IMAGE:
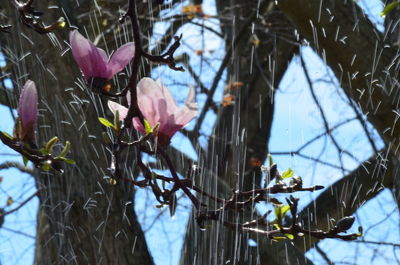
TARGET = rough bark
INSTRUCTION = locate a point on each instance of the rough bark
(241, 133)
(82, 219)
(391, 24)
(364, 60)
(346, 195)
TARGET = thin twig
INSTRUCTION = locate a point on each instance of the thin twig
(19, 166)
(323, 116)
(20, 205)
(219, 73)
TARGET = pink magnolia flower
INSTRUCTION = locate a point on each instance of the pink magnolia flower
(94, 62)
(27, 112)
(159, 107)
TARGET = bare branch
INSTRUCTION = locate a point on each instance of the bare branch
(20, 205)
(19, 166)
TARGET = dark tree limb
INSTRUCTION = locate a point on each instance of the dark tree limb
(346, 195)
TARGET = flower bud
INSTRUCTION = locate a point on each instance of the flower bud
(27, 113)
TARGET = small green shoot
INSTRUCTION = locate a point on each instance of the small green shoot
(147, 127)
(117, 122)
(64, 152)
(107, 123)
(280, 212)
(7, 135)
(287, 173)
(389, 8)
(49, 145)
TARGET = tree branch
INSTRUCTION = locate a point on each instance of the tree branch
(19, 166)
(346, 195)
(356, 52)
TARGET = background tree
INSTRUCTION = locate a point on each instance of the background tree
(82, 219)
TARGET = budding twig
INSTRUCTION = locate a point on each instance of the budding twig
(30, 17)
(238, 200)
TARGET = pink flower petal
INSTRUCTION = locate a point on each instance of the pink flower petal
(157, 90)
(148, 107)
(158, 106)
(187, 113)
(114, 106)
(171, 127)
(121, 58)
(191, 96)
(128, 98)
(89, 58)
(162, 114)
(138, 125)
(171, 103)
(147, 86)
(27, 108)
(103, 55)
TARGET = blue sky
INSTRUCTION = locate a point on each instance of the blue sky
(16, 248)
(296, 121)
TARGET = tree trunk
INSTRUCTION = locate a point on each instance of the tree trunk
(346, 195)
(239, 141)
(363, 60)
(82, 218)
